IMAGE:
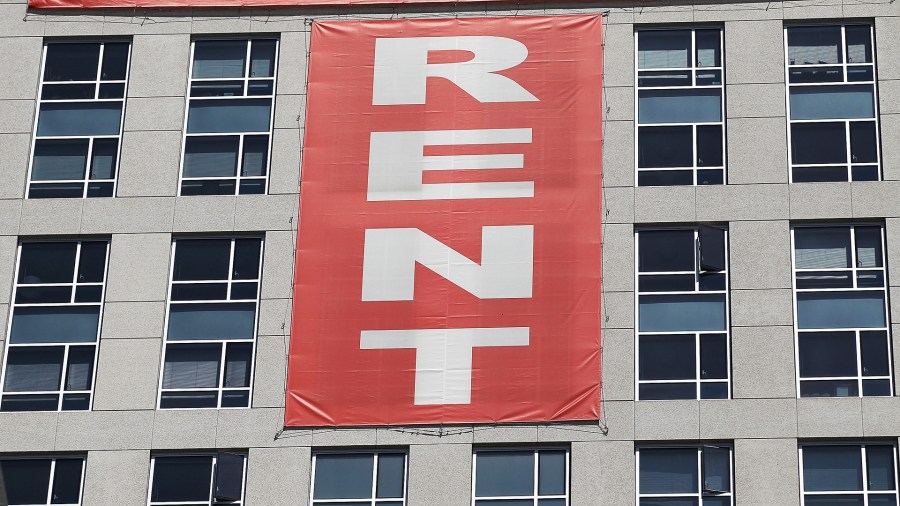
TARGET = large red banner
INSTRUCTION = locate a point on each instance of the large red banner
(448, 258)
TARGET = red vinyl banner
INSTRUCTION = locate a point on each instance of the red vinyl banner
(448, 257)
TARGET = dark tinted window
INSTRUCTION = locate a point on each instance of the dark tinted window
(181, 479)
(666, 250)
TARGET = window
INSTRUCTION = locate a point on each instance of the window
(841, 316)
(79, 121)
(680, 125)
(521, 477)
(34, 481)
(832, 103)
(682, 305)
(197, 479)
(685, 476)
(359, 479)
(54, 326)
(213, 299)
(228, 128)
(848, 474)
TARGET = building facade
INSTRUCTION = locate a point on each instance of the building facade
(757, 368)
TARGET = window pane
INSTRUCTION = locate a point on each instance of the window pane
(679, 106)
(390, 475)
(201, 259)
(210, 156)
(709, 146)
(837, 310)
(716, 469)
(195, 399)
(832, 468)
(93, 262)
(211, 187)
(665, 146)
(256, 155)
(504, 473)
(26, 480)
(668, 471)
(192, 366)
(217, 89)
(877, 388)
(33, 369)
(863, 142)
(80, 371)
(115, 61)
(666, 251)
(832, 102)
(219, 58)
(868, 247)
(103, 158)
(237, 364)
(211, 321)
(833, 500)
(199, 291)
(819, 143)
(814, 45)
(505, 502)
(713, 356)
(181, 479)
(825, 354)
(214, 116)
(669, 313)
(262, 58)
(343, 476)
(713, 390)
(667, 357)
(667, 391)
(859, 44)
(819, 174)
(72, 61)
(831, 388)
(67, 481)
(664, 49)
(55, 324)
(59, 159)
(883, 500)
(552, 473)
(874, 353)
(246, 258)
(708, 54)
(665, 177)
(668, 501)
(822, 248)
(880, 467)
(79, 118)
(47, 262)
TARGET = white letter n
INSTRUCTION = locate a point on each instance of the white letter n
(505, 271)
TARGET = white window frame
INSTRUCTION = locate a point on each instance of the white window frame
(212, 480)
(865, 469)
(372, 500)
(34, 138)
(697, 334)
(693, 69)
(221, 389)
(247, 80)
(535, 496)
(844, 65)
(699, 494)
(53, 460)
(853, 272)
(68, 345)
